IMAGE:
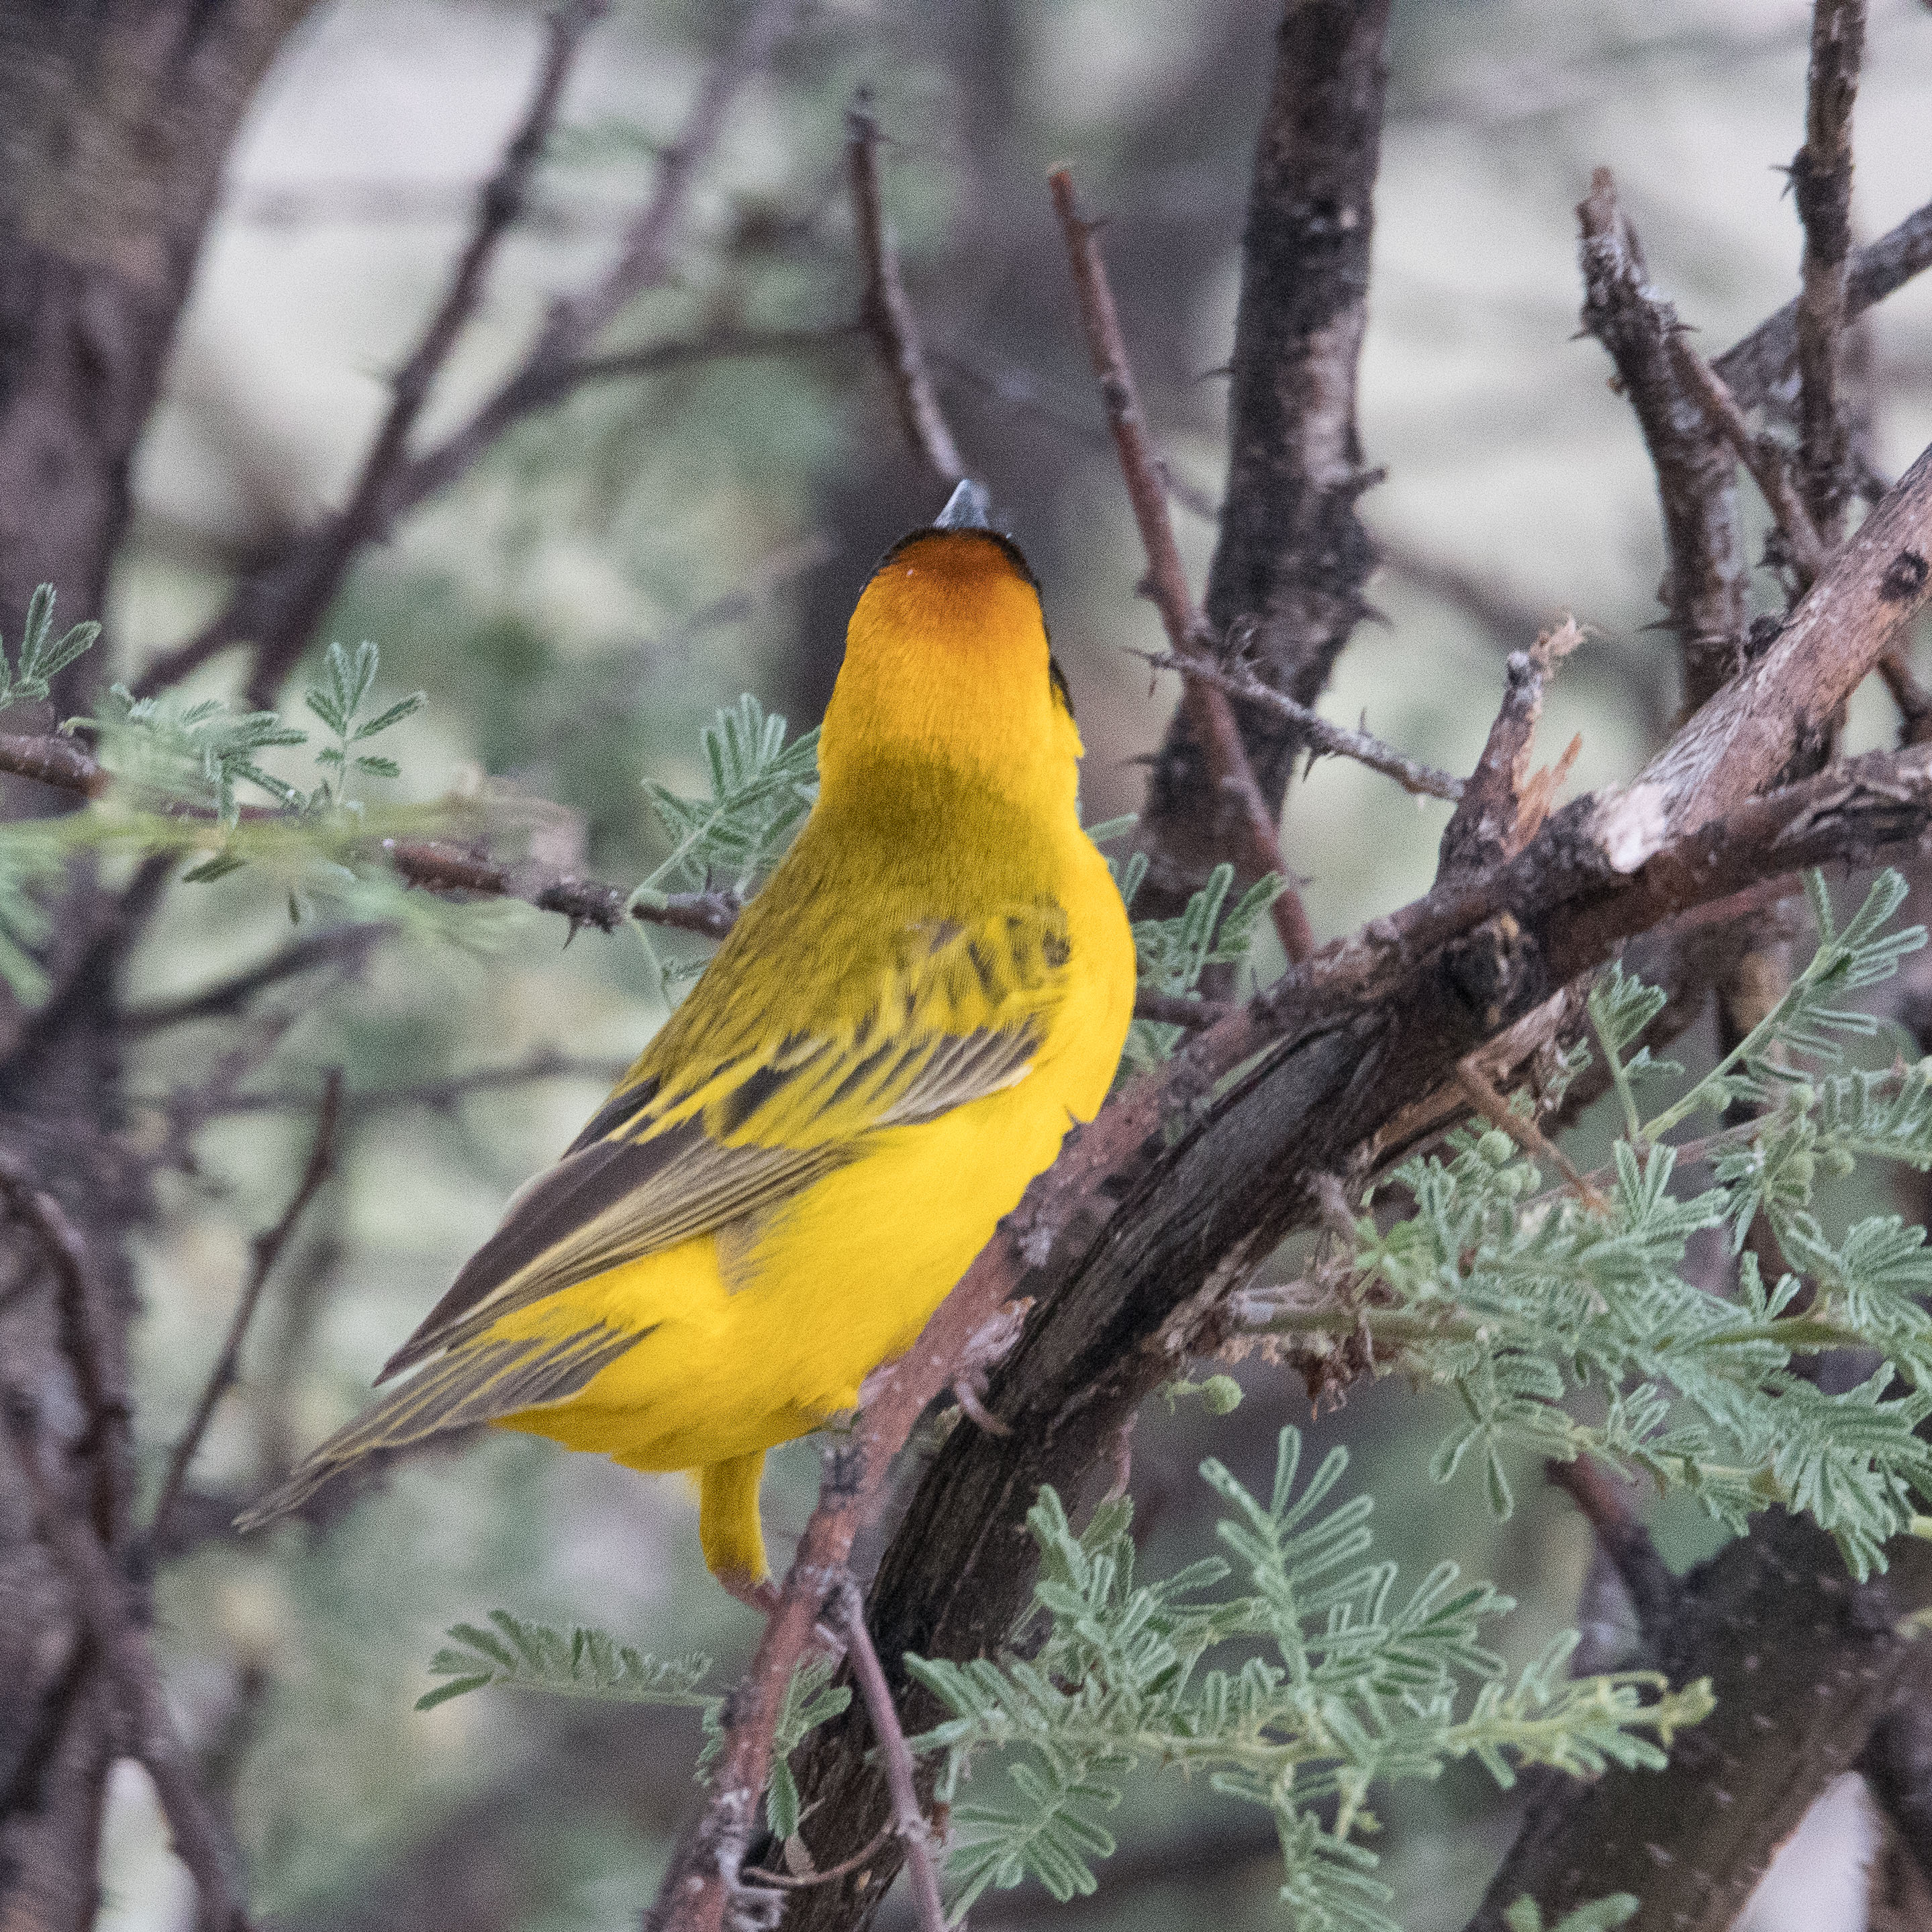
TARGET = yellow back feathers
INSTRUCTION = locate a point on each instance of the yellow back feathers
(936, 979)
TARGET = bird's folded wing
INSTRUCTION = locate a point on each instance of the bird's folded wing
(731, 1113)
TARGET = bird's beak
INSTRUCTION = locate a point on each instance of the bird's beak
(969, 508)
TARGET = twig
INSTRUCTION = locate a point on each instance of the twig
(1526, 1134)
(1503, 805)
(721, 345)
(1760, 456)
(799, 1882)
(1758, 365)
(54, 760)
(265, 1251)
(1180, 1010)
(1821, 183)
(885, 312)
(1234, 778)
(277, 606)
(100, 1600)
(346, 946)
(103, 1396)
(441, 867)
(1419, 780)
(908, 1821)
(437, 865)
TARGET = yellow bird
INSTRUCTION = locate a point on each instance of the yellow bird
(934, 984)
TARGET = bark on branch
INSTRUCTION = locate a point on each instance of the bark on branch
(1293, 558)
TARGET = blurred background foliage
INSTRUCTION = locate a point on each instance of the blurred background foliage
(626, 563)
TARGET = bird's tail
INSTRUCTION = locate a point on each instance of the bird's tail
(482, 1382)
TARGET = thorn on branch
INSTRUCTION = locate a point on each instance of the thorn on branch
(1419, 780)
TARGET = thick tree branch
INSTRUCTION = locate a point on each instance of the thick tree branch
(1878, 582)
(1287, 580)
(1821, 183)
(1242, 812)
(1804, 1663)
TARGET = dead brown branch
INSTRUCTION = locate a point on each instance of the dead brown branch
(1696, 475)
(1503, 805)
(1821, 183)
(1878, 582)
(909, 1823)
(886, 311)
(1338, 741)
(1761, 456)
(1758, 367)
(264, 1251)
(1258, 851)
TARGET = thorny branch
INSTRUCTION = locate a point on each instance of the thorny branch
(1696, 472)
(1293, 558)
(1821, 183)
(1419, 780)
(886, 311)
(277, 607)
(438, 866)
(1760, 455)
(1259, 851)
(264, 1251)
